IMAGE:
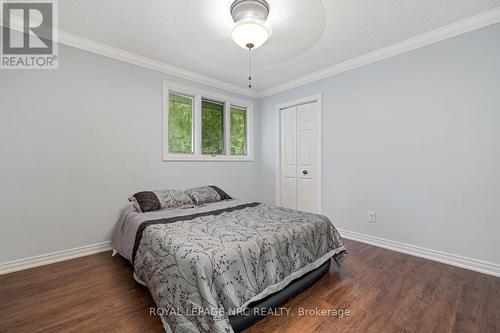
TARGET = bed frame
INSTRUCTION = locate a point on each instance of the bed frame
(244, 320)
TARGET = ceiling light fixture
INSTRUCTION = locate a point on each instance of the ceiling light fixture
(250, 30)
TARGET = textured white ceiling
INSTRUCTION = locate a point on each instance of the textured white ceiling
(308, 35)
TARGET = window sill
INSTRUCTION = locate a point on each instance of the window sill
(207, 159)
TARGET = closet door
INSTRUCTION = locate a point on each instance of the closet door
(300, 157)
(308, 145)
(288, 157)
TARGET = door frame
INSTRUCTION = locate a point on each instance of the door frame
(277, 143)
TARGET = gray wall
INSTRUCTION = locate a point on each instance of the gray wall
(415, 137)
(76, 142)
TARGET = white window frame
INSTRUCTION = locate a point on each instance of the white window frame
(198, 95)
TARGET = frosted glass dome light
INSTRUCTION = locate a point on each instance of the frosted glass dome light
(250, 30)
(250, 33)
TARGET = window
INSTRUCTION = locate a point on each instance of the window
(180, 124)
(212, 127)
(200, 125)
(238, 119)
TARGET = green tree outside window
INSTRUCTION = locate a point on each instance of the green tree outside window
(180, 124)
(212, 127)
(238, 121)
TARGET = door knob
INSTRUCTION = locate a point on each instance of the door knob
(304, 172)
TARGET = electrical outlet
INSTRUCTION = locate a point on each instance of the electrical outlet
(372, 216)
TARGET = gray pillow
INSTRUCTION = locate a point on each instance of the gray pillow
(207, 194)
(148, 201)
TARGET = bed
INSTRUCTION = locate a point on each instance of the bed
(208, 265)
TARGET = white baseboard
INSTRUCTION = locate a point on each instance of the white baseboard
(50, 258)
(447, 258)
(443, 257)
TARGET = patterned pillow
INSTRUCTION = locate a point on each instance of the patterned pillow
(207, 194)
(163, 199)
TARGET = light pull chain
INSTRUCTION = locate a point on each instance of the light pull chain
(250, 47)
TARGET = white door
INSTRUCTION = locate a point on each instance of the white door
(300, 157)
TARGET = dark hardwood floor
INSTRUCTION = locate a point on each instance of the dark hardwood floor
(384, 291)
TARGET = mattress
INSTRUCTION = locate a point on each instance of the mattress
(210, 262)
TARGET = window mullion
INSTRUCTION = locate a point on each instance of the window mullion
(166, 122)
(227, 128)
(249, 131)
(197, 125)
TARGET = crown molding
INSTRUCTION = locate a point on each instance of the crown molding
(89, 45)
(454, 29)
(145, 62)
